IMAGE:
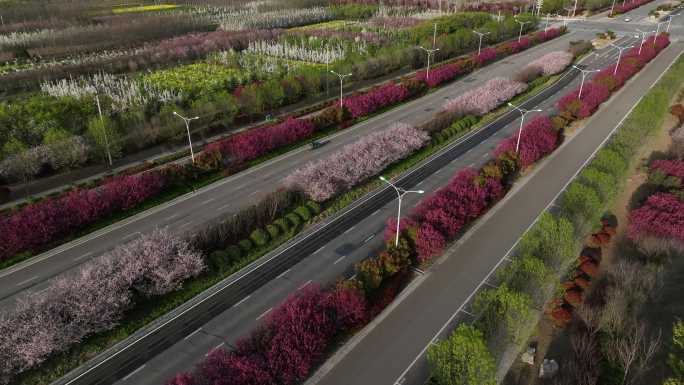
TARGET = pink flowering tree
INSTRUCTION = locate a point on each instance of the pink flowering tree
(553, 62)
(538, 139)
(36, 225)
(93, 299)
(356, 162)
(485, 98)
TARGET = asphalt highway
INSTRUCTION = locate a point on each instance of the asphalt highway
(229, 195)
(394, 351)
(326, 261)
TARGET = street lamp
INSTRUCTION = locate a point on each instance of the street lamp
(341, 80)
(669, 20)
(429, 52)
(584, 73)
(523, 112)
(611, 9)
(574, 9)
(658, 29)
(546, 27)
(643, 38)
(619, 55)
(187, 127)
(104, 129)
(400, 194)
(481, 35)
(522, 23)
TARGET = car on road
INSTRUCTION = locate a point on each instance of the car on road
(628, 19)
(318, 143)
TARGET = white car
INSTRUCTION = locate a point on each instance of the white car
(628, 19)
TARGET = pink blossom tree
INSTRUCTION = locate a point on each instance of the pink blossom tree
(553, 62)
(485, 98)
(356, 162)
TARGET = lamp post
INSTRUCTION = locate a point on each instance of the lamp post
(584, 73)
(341, 80)
(400, 194)
(669, 20)
(643, 38)
(429, 52)
(658, 29)
(574, 9)
(523, 112)
(481, 35)
(522, 23)
(546, 27)
(619, 55)
(187, 127)
(434, 36)
(611, 9)
(104, 129)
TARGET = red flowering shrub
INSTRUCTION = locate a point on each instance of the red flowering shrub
(593, 95)
(440, 74)
(253, 143)
(669, 167)
(662, 216)
(429, 242)
(375, 99)
(36, 225)
(486, 55)
(628, 6)
(537, 140)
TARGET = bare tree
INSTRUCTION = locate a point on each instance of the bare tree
(634, 351)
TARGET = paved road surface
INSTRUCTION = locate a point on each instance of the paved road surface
(393, 353)
(227, 196)
(323, 266)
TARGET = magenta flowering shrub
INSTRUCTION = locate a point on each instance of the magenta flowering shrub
(253, 143)
(440, 74)
(441, 216)
(288, 345)
(485, 98)
(662, 216)
(375, 99)
(628, 6)
(486, 55)
(538, 139)
(356, 162)
(36, 225)
(93, 299)
(593, 94)
(669, 167)
(552, 63)
(550, 33)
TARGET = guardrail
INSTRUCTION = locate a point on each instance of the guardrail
(149, 341)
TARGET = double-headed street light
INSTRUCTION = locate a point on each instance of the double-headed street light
(619, 55)
(584, 73)
(429, 53)
(643, 38)
(187, 127)
(523, 112)
(400, 194)
(481, 35)
(341, 80)
(669, 20)
(522, 23)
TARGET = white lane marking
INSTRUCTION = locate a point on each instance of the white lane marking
(184, 225)
(369, 238)
(27, 280)
(129, 236)
(471, 165)
(131, 374)
(86, 255)
(485, 155)
(304, 285)
(505, 257)
(319, 249)
(253, 192)
(375, 212)
(339, 259)
(264, 313)
(241, 301)
(216, 347)
(193, 333)
(349, 229)
(208, 200)
(224, 207)
(283, 273)
(170, 217)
